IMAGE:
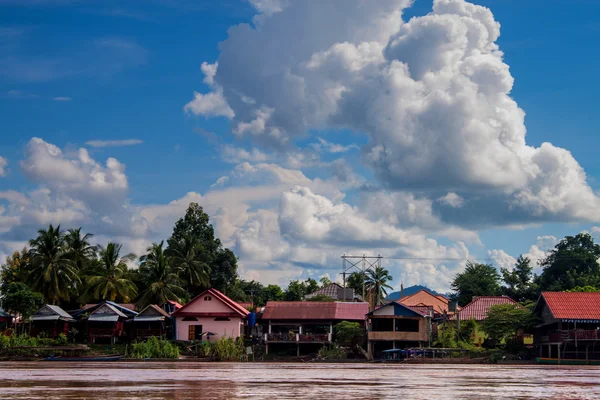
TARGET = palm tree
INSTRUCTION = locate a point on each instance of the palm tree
(376, 283)
(108, 279)
(79, 248)
(53, 272)
(185, 256)
(160, 280)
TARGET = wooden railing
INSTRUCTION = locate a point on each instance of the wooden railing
(578, 334)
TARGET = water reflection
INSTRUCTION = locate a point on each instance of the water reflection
(123, 380)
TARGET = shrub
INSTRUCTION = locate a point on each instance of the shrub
(347, 332)
(154, 348)
(332, 352)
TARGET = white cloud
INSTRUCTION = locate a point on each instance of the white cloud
(324, 146)
(3, 164)
(432, 95)
(62, 98)
(502, 259)
(236, 155)
(452, 199)
(113, 143)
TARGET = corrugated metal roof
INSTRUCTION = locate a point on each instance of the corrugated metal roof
(479, 307)
(59, 311)
(45, 318)
(573, 306)
(106, 309)
(151, 311)
(103, 317)
(313, 310)
(148, 318)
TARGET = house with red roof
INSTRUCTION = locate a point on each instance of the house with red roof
(397, 326)
(307, 324)
(210, 316)
(423, 298)
(569, 325)
(478, 308)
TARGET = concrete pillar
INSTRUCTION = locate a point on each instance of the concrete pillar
(558, 348)
(298, 349)
(549, 351)
(394, 344)
(301, 329)
(270, 326)
(331, 328)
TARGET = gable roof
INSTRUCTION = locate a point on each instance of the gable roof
(127, 306)
(106, 312)
(333, 290)
(315, 310)
(49, 312)
(421, 311)
(424, 298)
(151, 313)
(235, 307)
(576, 306)
(479, 307)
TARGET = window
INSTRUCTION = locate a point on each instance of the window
(222, 319)
(207, 298)
(195, 332)
(407, 325)
(190, 319)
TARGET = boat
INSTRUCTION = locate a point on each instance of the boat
(565, 361)
(116, 357)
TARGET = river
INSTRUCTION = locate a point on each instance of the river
(184, 380)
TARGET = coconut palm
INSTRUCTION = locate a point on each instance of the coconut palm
(53, 273)
(185, 255)
(376, 283)
(159, 278)
(108, 278)
(79, 247)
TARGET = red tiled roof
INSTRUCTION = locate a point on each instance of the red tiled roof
(424, 298)
(176, 304)
(479, 307)
(315, 310)
(573, 306)
(226, 300)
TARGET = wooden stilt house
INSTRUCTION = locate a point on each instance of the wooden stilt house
(151, 321)
(51, 321)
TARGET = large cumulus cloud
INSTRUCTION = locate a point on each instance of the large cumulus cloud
(432, 95)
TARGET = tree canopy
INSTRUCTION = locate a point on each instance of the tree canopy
(504, 321)
(573, 262)
(476, 280)
(520, 285)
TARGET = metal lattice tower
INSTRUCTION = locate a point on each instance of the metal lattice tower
(360, 264)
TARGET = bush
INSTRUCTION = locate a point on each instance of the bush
(332, 352)
(225, 349)
(347, 332)
(154, 348)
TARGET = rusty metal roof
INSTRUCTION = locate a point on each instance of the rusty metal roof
(315, 310)
(424, 298)
(573, 306)
(479, 307)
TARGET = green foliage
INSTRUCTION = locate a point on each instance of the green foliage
(321, 297)
(296, 290)
(189, 261)
(15, 269)
(31, 341)
(153, 348)
(207, 250)
(54, 273)
(476, 280)
(520, 285)
(19, 298)
(160, 281)
(107, 278)
(376, 283)
(355, 282)
(572, 263)
(448, 338)
(325, 281)
(332, 352)
(504, 321)
(585, 289)
(348, 332)
(224, 349)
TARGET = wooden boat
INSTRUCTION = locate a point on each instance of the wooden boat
(567, 361)
(116, 357)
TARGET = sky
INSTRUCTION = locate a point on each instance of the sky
(429, 132)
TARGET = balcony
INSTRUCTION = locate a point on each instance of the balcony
(298, 338)
(399, 336)
(572, 335)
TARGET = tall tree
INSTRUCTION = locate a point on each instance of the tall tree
(108, 278)
(505, 320)
(274, 293)
(355, 281)
(19, 299)
(520, 285)
(377, 283)
(476, 280)
(15, 269)
(573, 262)
(221, 261)
(160, 281)
(79, 248)
(53, 272)
(186, 257)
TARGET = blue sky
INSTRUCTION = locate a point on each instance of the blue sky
(298, 189)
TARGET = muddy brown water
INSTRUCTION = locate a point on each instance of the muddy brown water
(172, 380)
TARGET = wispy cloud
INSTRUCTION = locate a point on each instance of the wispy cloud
(3, 164)
(61, 98)
(114, 143)
(18, 94)
(325, 146)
